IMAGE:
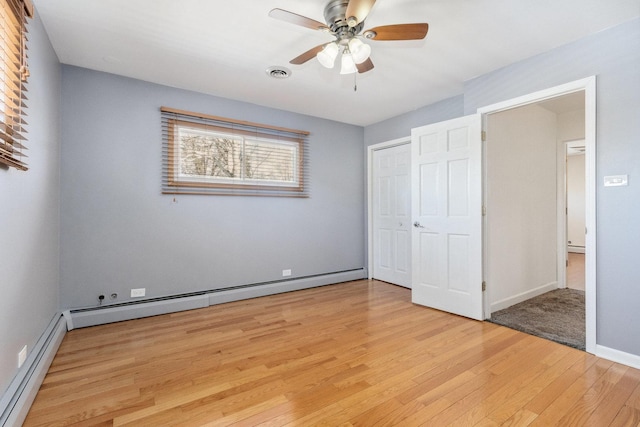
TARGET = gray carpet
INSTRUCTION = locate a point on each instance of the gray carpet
(557, 315)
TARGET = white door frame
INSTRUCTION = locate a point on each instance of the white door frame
(588, 85)
(370, 150)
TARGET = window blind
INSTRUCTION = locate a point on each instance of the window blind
(13, 76)
(204, 154)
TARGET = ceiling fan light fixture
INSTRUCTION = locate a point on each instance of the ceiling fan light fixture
(348, 66)
(327, 56)
(360, 51)
(352, 21)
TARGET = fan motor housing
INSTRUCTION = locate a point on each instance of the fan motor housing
(334, 15)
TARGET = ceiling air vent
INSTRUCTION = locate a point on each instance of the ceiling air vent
(278, 72)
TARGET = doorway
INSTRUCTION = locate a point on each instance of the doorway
(529, 244)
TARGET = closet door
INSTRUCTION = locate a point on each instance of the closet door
(392, 215)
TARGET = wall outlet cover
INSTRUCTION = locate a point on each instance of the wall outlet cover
(286, 273)
(22, 356)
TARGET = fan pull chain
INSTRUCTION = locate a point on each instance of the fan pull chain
(355, 82)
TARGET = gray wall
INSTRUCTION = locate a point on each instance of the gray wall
(29, 215)
(119, 232)
(614, 57)
(400, 126)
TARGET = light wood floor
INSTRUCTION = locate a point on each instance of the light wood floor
(575, 271)
(355, 354)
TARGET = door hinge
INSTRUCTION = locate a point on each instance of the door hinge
(484, 286)
(484, 135)
(484, 210)
(567, 263)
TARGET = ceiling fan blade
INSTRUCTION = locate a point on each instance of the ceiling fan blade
(310, 54)
(358, 9)
(398, 32)
(294, 18)
(365, 66)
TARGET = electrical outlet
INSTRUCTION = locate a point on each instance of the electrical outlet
(22, 356)
(286, 273)
(140, 292)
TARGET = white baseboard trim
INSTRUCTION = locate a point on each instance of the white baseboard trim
(618, 356)
(171, 304)
(515, 299)
(17, 400)
(576, 249)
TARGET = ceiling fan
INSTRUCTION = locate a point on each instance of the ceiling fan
(345, 21)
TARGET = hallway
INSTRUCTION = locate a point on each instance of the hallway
(575, 271)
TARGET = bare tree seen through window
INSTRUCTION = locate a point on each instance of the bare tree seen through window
(228, 158)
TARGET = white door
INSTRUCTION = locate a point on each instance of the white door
(392, 215)
(447, 215)
(575, 195)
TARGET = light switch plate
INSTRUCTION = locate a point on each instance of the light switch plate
(616, 180)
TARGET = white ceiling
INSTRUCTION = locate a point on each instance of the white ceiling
(224, 47)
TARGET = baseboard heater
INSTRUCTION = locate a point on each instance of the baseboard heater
(576, 249)
(17, 399)
(80, 318)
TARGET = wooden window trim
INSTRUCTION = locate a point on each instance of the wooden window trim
(232, 121)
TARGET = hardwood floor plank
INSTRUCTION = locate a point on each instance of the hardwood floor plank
(581, 410)
(352, 354)
(388, 416)
(486, 422)
(634, 399)
(607, 407)
(516, 402)
(449, 364)
(553, 390)
(274, 415)
(569, 398)
(383, 388)
(521, 418)
(627, 417)
(475, 406)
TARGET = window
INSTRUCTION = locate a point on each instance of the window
(212, 155)
(13, 75)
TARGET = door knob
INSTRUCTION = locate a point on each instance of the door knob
(418, 225)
